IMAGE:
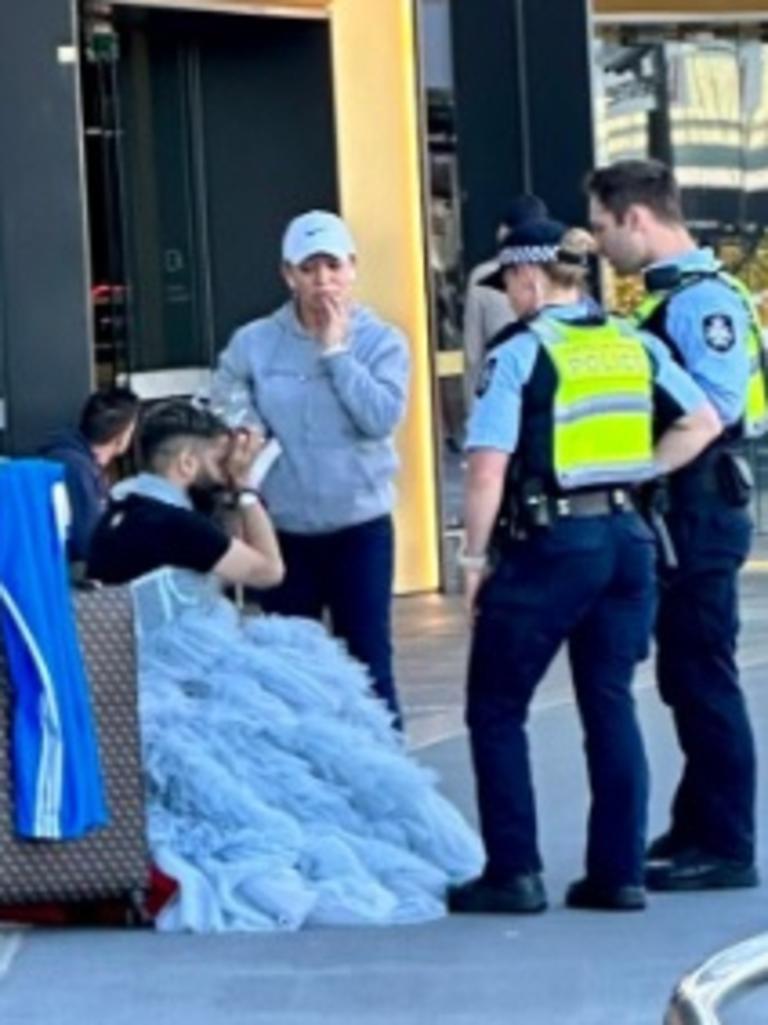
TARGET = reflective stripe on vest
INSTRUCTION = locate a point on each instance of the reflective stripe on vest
(603, 403)
(756, 406)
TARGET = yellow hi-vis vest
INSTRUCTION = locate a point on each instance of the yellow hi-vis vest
(756, 405)
(603, 403)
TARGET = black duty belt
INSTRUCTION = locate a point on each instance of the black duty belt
(593, 503)
(534, 510)
(707, 476)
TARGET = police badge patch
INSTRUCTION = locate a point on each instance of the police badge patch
(486, 376)
(719, 332)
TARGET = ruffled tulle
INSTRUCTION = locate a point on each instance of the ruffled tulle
(279, 795)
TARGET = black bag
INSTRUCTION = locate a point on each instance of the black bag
(111, 862)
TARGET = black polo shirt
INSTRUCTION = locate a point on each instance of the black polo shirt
(138, 535)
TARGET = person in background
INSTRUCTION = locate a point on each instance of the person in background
(104, 433)
(487, 310)
(328, 379)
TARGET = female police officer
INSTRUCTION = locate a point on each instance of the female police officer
(561, 436)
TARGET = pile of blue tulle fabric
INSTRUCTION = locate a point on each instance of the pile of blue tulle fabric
(278, 794)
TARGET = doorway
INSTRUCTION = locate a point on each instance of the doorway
(205, 134)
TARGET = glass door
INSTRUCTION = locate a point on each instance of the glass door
(202, 144)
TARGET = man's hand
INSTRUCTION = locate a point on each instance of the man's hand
(333, 318)
(245, 446)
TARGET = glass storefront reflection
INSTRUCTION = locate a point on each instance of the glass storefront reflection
(696, 97)
(699, 100)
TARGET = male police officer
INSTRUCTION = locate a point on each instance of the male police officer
(709, 324)
(561, 430)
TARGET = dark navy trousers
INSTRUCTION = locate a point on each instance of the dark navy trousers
(589, 582)
(697, 631)
(348, 574)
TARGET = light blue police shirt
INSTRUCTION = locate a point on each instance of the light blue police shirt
(709, 323)
(495, 419)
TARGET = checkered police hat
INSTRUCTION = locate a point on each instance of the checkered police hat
(533, 242)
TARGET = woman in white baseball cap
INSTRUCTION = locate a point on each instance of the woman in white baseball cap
(328, 379)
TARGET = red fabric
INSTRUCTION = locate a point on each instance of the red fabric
(160, 890)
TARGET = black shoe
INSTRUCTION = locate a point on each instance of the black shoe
(522, 894)
(666, 847)
(589, 895)
(696, 870)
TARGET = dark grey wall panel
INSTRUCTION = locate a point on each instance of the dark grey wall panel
(559, 103)
(523, 109)
(488, 117)
(43, 262)
(270, 153)
(228, 133)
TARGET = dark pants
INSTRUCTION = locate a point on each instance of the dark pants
(697, 630)
(590, 582)
(347, 573)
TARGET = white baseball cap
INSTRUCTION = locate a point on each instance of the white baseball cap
(317, 232)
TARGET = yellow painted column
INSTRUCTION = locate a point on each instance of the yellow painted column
(380, 172)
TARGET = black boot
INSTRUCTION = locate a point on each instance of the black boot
(521, 894)
(697, 870)
(665, 847)
(588, 895)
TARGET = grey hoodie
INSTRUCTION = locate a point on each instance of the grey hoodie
(334, 415)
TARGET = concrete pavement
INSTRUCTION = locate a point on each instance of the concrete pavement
(562, 967)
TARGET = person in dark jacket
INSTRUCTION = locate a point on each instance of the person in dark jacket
(105, 432)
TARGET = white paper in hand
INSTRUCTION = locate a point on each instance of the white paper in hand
(263, 463)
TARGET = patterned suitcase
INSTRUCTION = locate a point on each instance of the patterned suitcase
(111, 862)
